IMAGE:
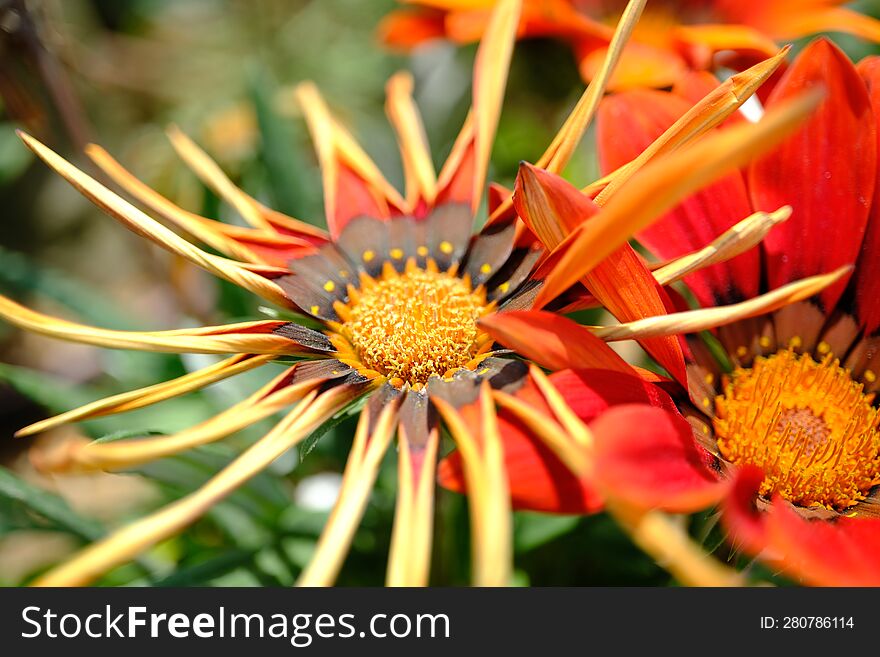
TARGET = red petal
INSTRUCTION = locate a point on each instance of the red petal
(842, 553)
(407, 29)
(648, 457)
(627, 124)
(744, 521)
(538, 480)
(826, 172)
(553, 341)
(867, 274)
(553, 208)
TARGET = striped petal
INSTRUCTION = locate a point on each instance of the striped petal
(813, 171)
(621, 282)
(353, 184)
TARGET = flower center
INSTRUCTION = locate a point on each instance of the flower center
(807, 424)
(413, 325)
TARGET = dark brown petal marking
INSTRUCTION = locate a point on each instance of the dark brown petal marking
(417, 417)
(379, 399)
(332, 370)
(305, 337)
(839, 336)
(507, 280)
(743, 340)
(488, 252)
(311, 299)
(403, 241)
(799, 326)
(463, 387)
(523, 298)
(870, 506)
(863, 362)
(365, 241)
(449, 229)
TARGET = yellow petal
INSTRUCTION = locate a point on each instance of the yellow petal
(418, 169)
(364, 459)
(737, 239)
(409, 558)
(126, 543)
(212, 175)
(692, 321)
(557, 155)
(487, 489)
(490, 79)
(230, 339)
(141, 224)
(128, 401)
(81, 456)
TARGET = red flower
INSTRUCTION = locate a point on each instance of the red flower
(673, 36)
(789, 407)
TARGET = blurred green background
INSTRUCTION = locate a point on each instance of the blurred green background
(117, 73)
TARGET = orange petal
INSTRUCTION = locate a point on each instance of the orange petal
(659, 468)
(353, 184)
(552, 341)
(621, 282)
(421, 180)
(663, 183)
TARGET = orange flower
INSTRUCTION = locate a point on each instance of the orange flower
(673, 36)
(782, 407)
(396, 292)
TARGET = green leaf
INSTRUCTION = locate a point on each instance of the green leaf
(292, 181)
(532, 530)
(353, 409)
(202, 573)
(49, 506)
(14, 157)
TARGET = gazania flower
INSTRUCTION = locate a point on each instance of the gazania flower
(674, 36)
(398, 289)
(786, 403)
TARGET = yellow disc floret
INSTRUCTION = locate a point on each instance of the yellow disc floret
(416, 324)
(807, 424)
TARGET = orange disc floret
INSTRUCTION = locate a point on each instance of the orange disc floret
(415, 324)
(806, 424)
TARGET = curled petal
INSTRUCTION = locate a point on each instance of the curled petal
(128, 401)
(665, 182)
(145, 226)
(692, 321)
(128, 542)
(245, 337)
(647, 457)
